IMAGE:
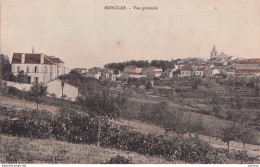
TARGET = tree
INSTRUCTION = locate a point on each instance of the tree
(102, 102)
(229, 133)
(194, 125)
(38, 90)
(246, 136)
(176, 122)
(216, 104)
(5, 66)
(23, 77)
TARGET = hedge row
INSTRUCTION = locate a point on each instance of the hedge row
(81, 128)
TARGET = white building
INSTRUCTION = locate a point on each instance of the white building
(93, 74)
(247, 68)
(60, 65)
(152, 71)
(39, 67)
(134, 75)
(185, 72)
(132, 69)
(214, 71)
(111, 74)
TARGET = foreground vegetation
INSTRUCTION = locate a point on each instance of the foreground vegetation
(86, 121)
(77, 128)
(25, 150)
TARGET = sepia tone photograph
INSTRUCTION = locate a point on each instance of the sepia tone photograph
(130, 82)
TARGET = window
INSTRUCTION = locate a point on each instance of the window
(35, 69)
(36, 79)
(45, 69)
(44, 80)
(27, 69)
(18, 69)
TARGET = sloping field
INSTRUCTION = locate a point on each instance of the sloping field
(24, 150)
(252, 150)
(22, 104)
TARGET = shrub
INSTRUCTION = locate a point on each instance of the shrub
(120, 160)
(81, 128)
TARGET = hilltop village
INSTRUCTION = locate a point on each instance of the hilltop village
(40, 68)
(189, 110)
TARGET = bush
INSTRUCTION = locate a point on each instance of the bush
(81, 128)
(120, 160)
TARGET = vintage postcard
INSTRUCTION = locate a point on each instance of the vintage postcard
(130, 82)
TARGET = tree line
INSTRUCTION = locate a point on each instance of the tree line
(164, 64)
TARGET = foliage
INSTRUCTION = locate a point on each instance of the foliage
(229, 133)
(38, 90)
(22, 77)
(80, 128)
(5, 67)
(120, 160)
(246, 136)
(164, 64)
(102, 101)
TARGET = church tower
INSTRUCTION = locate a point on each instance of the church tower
(214, 52)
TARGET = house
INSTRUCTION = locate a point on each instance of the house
(133, 75)
(152, 71)
(185, 72)
(132, 69)
(168, 73)
(214, 71)
(60, 65)
(39, 67)
(67, 88)
(200, 71)
(93, 74)
(80, 70)
(247, 68)
(110, 74)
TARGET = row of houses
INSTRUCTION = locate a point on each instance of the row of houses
(131, 71)
(230, 66)
(241, 68)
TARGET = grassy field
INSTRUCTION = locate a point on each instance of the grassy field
(24, 150)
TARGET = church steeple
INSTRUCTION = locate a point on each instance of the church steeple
(33, 50)
(214, 52)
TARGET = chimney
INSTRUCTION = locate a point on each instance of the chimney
(23, 58)
(42, 58)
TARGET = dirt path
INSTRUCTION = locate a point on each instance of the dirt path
(21, 104)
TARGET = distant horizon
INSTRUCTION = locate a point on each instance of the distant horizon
(206, 59)
(84, 35)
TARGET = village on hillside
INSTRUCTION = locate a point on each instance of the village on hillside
(180, 111)
(40, 68)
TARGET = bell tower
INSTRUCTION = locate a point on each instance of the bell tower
(214, 52)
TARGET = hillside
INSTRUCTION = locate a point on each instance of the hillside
(24, 150)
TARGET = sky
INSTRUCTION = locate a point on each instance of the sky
(83, 34)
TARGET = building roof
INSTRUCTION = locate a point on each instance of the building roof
(249, 61)
(31, 58)
(201, 69)
(186, 69)
(247, 71)
(56, 60)
(92, 72)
